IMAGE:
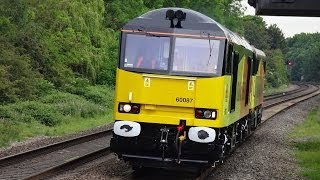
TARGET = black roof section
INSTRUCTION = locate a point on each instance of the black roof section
(194, 24)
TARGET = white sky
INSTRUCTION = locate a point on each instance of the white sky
(289, 25)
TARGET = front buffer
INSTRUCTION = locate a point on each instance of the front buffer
(167, 146)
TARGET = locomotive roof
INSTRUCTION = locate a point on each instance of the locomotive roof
(258, 52)
(195, 24)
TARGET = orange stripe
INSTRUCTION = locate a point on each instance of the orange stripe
(176, 34)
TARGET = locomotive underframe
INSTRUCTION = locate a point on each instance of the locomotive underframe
(152, 148)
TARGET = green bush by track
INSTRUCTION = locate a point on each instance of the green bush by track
(56, 110)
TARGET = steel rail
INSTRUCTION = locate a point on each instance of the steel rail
(285, 93)
(8, 160)
(294, 97)
(70, 164)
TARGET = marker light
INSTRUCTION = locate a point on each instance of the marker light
(213, 115)
(199, 114)
(135, 109)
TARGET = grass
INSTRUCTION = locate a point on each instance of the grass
(307, 145)
(10, 132)
(56, 113)
(270, 90)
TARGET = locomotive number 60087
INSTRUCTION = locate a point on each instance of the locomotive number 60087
(185, 100)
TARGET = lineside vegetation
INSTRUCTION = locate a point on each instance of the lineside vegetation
(307, 145)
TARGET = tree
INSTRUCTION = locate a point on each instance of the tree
(304, 50)
(276, 70)
(276, 37)
(255, 31)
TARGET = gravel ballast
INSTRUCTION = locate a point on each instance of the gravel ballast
(267, 154)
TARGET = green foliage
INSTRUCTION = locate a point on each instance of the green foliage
(276, 37)
(307, 145)
(17, 80)
(31, 111)
(304, 50)
(62, 39)
(72, 105)
(57, 106)
(255, 32)
(276, 70)
(56, 113)
(8, 132)
(101, 95)
(120, 12)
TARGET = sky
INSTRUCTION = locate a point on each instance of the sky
(289, 25)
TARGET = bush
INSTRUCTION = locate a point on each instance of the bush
(73, 105)
(102, 95)
(8, 132)
(31, 111)
(57, 107)
(44, 87)
(77, 86)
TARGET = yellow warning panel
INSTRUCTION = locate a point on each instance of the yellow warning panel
(147, 82)
(190, 85)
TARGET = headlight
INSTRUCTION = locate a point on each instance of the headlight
(127, 108)
(207, 114)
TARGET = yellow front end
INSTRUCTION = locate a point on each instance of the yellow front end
(168, 99)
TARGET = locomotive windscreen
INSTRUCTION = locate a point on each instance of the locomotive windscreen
(171, 55)
(196, 55)
(146, 52)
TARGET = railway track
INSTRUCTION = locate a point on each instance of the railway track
(47, 160)
(56, 158)
(301, 91)
(301, 87)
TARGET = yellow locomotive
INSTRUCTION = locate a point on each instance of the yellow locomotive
(188, 90)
